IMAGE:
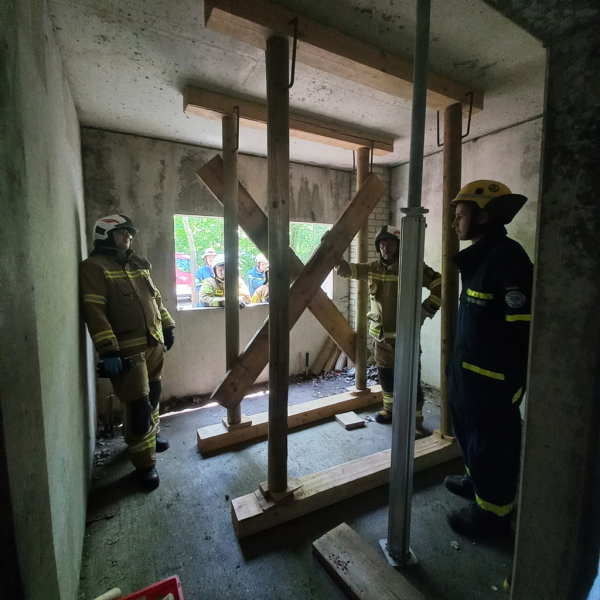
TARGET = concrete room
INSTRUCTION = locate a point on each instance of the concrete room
(94, 124)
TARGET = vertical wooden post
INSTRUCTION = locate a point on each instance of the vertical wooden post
(362, 256)
(450, 247)
(230, 226)
(278, 155)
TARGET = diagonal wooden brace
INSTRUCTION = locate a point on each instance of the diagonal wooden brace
(252, 361)
(256, 225)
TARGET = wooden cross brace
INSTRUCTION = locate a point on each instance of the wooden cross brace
(256, 225)
(307, 286)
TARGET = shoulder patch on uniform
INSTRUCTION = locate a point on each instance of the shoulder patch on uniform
(515, 299)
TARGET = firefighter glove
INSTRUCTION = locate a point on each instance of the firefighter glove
(169, 336)
(113, 365)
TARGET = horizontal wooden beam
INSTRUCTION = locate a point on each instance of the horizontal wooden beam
(216, 437)
(234, 386)
(370, 577)
(212, 105)
(325, 48)
(253, 513)
(256, 225)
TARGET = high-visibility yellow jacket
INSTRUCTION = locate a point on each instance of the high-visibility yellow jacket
(261, 294)
(383, 292)
(121, 304)
(212, 292)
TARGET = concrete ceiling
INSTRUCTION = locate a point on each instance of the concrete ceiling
(128, 62)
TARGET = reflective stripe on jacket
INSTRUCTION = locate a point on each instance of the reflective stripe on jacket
(121, 305)
(261, 294)
(492, 334)
(383, 291)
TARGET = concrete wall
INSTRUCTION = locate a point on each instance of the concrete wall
(46, 401)
(152, 180)
(511, 156)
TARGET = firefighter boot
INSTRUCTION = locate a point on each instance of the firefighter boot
(472, 520)
(385, 415)
(162, 443)
(461, 485)
(148, 478)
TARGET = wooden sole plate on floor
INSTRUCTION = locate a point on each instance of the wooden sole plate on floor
(361, 571)
(215, 437)
(334, 485)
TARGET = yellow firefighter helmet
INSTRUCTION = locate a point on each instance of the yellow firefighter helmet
(493, 197)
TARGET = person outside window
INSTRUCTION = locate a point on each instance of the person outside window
(256, 277)
(212, 290)
(261, 295)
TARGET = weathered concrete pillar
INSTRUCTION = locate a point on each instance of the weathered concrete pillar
(557, 536)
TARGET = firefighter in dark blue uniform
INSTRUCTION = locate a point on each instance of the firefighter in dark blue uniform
(488, 368)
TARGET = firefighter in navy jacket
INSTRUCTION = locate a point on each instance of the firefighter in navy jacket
(488, 367)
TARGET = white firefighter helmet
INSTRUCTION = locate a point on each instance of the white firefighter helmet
(105, 225)
(218, 262)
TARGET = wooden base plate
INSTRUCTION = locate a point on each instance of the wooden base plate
(335, 484)
(361, 571)
(216, 437)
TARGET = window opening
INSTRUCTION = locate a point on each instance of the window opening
(199, 238)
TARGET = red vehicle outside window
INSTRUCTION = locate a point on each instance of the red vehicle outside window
(183, 274)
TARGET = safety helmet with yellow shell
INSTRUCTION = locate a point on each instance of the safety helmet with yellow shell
(493, 197)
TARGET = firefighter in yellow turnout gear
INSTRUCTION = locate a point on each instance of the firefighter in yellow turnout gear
(382, 277)
(212, 290)
(131, 330)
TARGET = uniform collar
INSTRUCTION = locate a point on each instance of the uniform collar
(386, 267)
(470, 257)
(123, 257)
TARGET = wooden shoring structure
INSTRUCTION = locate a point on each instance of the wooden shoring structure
(256, 22)
(230, 227)
(216, 437)
(450, 247)
(329, 50)
(362, 291)
(254, 358)
(212, 105)
(253, 512)
(278, 193)
(255, 223)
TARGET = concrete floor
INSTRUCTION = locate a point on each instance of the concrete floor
(134, 539)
